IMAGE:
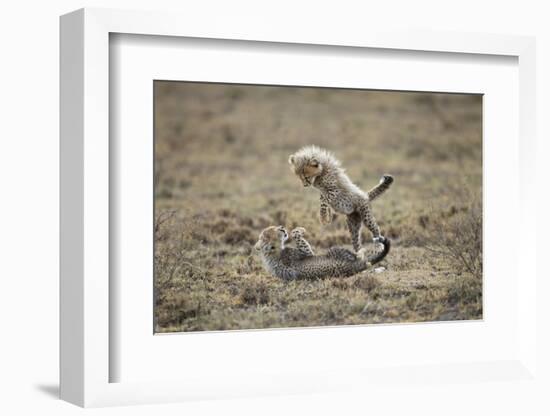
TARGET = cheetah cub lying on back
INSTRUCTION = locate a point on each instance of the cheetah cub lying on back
(290, 263)
(319, 168)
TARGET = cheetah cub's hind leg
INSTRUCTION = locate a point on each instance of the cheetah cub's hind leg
(366, 214)
(368, 220)
(354, 226)
(302, 244)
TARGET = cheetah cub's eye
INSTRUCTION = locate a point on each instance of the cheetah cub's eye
(314, 163)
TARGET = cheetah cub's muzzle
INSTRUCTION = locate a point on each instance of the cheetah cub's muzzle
(283, 233)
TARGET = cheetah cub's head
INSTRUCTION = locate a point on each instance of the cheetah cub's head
(306, 165)
(271, 239)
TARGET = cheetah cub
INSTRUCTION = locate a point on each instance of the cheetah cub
(319, 168)
(301, 263)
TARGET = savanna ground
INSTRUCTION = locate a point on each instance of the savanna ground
(222, 175)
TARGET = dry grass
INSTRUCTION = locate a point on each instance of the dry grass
(222, 175)
(456, 236)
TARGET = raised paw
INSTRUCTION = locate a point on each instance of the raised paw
(298, 232)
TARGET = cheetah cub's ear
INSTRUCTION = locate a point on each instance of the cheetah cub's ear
(291, 160)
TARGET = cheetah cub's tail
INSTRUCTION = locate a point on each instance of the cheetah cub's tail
(376, 257)
(382, 187)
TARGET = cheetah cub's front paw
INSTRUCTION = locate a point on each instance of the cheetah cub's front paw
(298, 232)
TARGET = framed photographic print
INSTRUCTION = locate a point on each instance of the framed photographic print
(270, 212)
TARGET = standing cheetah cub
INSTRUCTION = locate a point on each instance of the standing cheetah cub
(318, 167)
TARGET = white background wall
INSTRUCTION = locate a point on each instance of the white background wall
(29, 184)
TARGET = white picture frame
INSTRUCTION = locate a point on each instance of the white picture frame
(86, 355)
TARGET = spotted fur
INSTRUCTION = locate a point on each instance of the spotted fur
(296, 263)
(319, 168)
(302, 245)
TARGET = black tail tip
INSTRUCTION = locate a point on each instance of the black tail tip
(386, 243)
(387, 178)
